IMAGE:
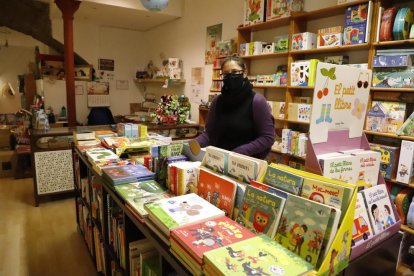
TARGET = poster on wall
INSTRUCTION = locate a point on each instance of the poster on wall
(106, 64)
(340, 100)
(197, 84)
(98, 93)
(213, 36)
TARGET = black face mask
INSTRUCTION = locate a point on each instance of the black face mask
(233, 83)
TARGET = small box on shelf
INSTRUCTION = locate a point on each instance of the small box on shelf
(304, 41)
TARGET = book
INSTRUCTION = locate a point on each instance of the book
(115, 141)
(139, 189)
(98, 165)
(261, 211)
(99, 154)
(303, 227)
(187, 177)
(127, 174)
(255, 256)
(242, 168)
(216, 159)
(218, 190)
(268, 189)
(362, 229)
(283, 180)
(135, 249)
(171, 213)
(369, 165)
(343, 167)
(196, 239)
(136, 204)
(379, 208)
(165, 151)
(150, 263)
(405, 164)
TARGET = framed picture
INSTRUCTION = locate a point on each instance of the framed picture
(122, 84)
(83, 72)
(98, 88)
(79, 89)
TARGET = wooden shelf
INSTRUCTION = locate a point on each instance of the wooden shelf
(327, 12)
(279, 22)
(266, 56)
(390, 135)
(302, 87)
(297, 122)
(355, 47)
(158, 81)
(216, 68)
(383, 89)
(215, 90)
(270, 86)
(288, 154)
(405, 42)
(407, 229)
(409, 185)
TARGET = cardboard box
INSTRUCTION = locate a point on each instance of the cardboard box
(304, 41)
(299, 112)
(279, 110)
(405, 165)
(329, 37)
(254, 12)
(7, 164)
(303, 73)
(281, 43)
(354, 34)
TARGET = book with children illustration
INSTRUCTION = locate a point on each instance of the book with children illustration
(243, 168)
(127, 174)
(260, 211)
(139, 189)
(303, 227)
(216, 159)
(256, 256)
(379, 208)
(362, 224)
(283, 180)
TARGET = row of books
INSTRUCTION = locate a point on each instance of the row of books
(143, 258)
(116, 231)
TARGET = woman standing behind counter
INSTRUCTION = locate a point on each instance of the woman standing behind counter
(239, 119)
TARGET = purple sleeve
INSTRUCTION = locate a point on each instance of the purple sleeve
(204, 138)
(264, 125)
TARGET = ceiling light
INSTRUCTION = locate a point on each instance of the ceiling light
(155, 5)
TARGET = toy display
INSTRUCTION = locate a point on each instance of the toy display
(303, 72)
(329, 37)
(172, 109)
(280, 43)
(402, 24)
(304, 41)
(282, 8)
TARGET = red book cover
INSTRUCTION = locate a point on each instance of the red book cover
(202, 237)
(218, 190)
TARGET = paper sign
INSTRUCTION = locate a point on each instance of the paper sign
(339, 100)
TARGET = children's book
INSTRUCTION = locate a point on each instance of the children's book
(268, 189)
(171, 213)
(196, 239)
(303, 227)
(283, 180)
(379, 208)
(331, 229)
(343, 167)
(165, 151)
(362, 229)
(256, 256)
(242, 168)
(139, 189)
(187, 177)
(218, 190)
(99, 154)
(115, 141)
(328, 193)
(137, 203)
(99, 165)
(260, 211)
(127, 174)
(369, 165)
(216, 159)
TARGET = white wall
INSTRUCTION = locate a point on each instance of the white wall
(185, 38)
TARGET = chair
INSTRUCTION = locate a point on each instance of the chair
(100, 116)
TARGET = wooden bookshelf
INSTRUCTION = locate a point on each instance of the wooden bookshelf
(302, 87)
(279, 22)
(399, 43)
(407, 229)
(382, 89)
(389, 135)
(267, 56)
(158, 81)
(327, 12)
(355, 47)
(270, 86)
(410, 185)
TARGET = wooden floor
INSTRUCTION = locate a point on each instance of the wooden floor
(39, 240)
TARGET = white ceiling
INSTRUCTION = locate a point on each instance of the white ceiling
(127, 14)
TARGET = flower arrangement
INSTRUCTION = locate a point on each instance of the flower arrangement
(172, 109)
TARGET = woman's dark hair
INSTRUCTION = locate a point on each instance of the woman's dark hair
(237, 59)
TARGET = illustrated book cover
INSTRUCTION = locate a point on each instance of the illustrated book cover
(216, 159)
(242, 168)
(127, 174)
(283, 180)
(362, 229)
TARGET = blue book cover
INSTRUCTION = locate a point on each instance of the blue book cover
(127, 174)
(283, 180)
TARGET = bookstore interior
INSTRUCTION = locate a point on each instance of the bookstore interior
(122, 109)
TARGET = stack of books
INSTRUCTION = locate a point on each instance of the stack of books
(189, 243)
(95, 155)
(167, 214)
(127, 174)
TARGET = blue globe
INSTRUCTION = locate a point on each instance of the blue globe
(155, 5)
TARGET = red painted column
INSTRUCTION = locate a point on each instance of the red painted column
(68, 9)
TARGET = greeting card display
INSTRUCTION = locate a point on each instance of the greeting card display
(339, 101)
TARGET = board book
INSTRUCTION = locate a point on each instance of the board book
(284, 180)
(218, 190)
(242, 168)
(362, 228)
(256, 256)
(136, 204)
(216, 159)
(99, 154)
(139, 189)
(260, 211)
(171, 213)
(127, 174)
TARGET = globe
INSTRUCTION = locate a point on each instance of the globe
(155, 5)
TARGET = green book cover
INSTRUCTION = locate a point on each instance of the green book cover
(260, 211)
(164, 152)
(216, 159)
(256, 256)
(137, 203)
(283, 180)
(302, 227)
(139, 189)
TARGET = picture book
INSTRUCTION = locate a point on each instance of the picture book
(408, 127)
(199, 238)
(256, 256)
(405, 164)
(283, 180)
(137, 203)
(242, 168)
(379, 207)
(260, 211)
(216, 159)
(343, 167)
(115, 141)
(369, 165)
(99, 165)
(395, 114)
(165, 151)
(303, 227)
(99, 154)
(178, 211)
(268, 189)
(187, 177)
(127, 174)
(362, 229)
(139, 189)
(331, 229)
(254, 12)
(389, 159)
(328, 193)
(218, 190)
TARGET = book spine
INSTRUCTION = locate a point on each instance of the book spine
(380, 12)
(369, 19)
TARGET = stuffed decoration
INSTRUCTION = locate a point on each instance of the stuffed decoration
(172, 109)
